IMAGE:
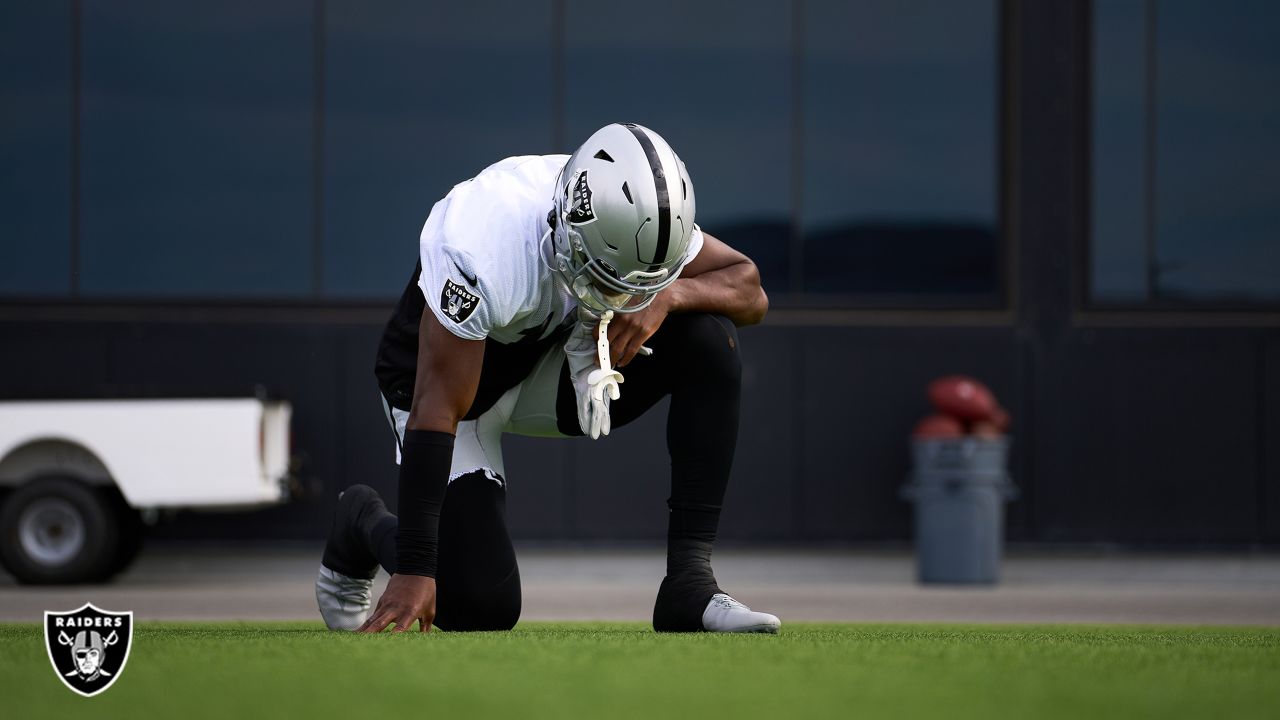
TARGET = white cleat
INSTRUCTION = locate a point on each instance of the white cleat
(724, 614)
(344, 601)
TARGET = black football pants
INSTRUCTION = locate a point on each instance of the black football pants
(696, 361)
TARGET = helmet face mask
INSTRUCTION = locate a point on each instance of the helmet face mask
(622, 221)
(596, 284)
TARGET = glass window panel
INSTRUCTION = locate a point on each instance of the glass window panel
(1118, 253)
(1216, 193)
(197, 126)
(900, 175)
(35, 148)
(420, 96)
(1218, 151)
(719, 90)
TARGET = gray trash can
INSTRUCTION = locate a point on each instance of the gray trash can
(959, 487)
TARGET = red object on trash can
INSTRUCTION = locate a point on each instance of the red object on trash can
(985, 429)
(939, 426)
(1001, 420)
(964, 398)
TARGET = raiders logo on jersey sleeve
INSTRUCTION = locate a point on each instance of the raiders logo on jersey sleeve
(456, 302)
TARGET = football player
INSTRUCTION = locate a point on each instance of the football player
(526, 321)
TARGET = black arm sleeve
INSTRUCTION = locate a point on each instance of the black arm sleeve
(425, 457)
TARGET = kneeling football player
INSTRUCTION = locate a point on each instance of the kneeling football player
(521, 320)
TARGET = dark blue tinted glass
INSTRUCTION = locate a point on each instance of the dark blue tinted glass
(1218, 150)
(197, 148)
(35, 148)
(899, 134)
(714, 79)
(420, 96)
(1118, 255)
(1213, 180)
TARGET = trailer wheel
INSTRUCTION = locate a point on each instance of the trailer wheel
(58, 530)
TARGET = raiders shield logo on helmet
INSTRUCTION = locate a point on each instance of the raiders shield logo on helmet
(456, 302)
(88, 647)
(580, 212)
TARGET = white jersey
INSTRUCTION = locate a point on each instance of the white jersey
(484, 274)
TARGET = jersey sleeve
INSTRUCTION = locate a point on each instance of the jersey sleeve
(695, 244)
(452, 285)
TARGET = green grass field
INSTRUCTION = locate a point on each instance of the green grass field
(590, 670)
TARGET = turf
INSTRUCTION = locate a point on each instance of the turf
(585, 670)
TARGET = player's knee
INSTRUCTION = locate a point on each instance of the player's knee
(709, 342)
(469, 607)
(480, 613)
(504, 616)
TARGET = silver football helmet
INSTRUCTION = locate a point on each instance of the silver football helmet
(622, 220)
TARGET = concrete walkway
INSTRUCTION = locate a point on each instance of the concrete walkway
(274, 582)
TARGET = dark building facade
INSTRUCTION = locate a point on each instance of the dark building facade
(1075, 203)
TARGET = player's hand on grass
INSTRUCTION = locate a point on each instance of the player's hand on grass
(629, 331)
(406, 599)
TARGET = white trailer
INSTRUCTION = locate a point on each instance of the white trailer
(78, 477)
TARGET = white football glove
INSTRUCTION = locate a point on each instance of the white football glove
(595, 382)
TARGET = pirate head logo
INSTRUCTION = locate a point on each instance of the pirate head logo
(89, 651)
(580, 212)
(88, 647)
(456, 302)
